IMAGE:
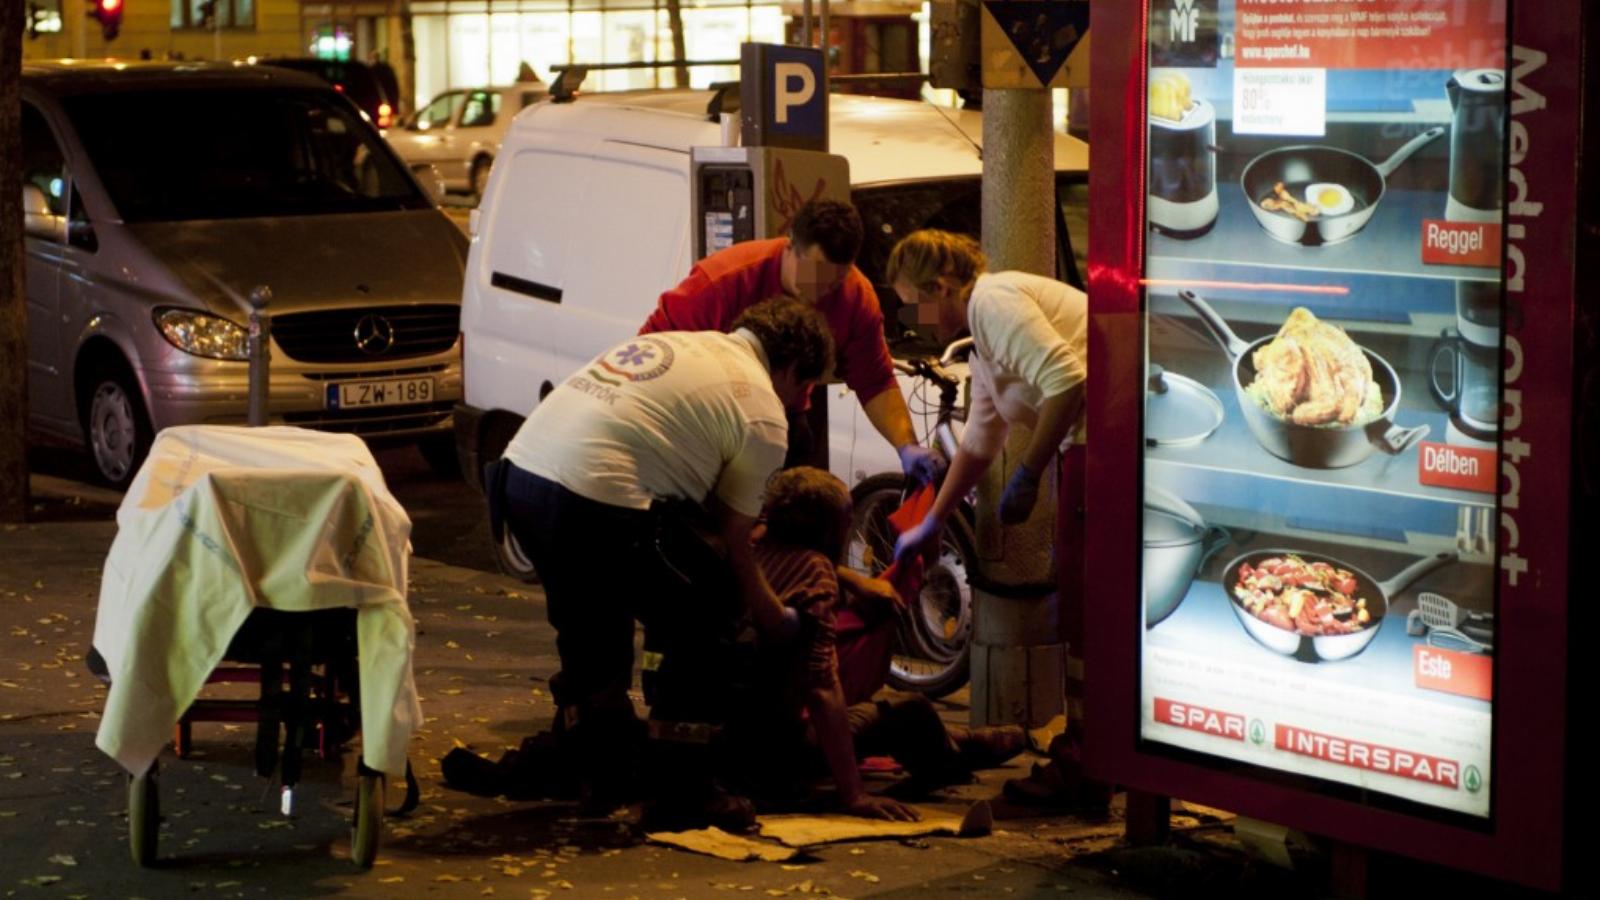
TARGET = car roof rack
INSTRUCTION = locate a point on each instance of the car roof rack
(569, 77)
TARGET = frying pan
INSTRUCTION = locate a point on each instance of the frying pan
(1313, 446)
(1328, 648)
(1301, 165)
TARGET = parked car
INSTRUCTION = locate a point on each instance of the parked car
(459, 132)
(586, 220)
(366, 86)
(158, 198)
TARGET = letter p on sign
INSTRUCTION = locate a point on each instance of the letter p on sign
(795, 85)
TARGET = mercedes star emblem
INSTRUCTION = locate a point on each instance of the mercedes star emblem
(374, 335)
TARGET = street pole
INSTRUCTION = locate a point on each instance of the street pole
(260, 348)
(13, 305)
(80, 27)
(1018, 663)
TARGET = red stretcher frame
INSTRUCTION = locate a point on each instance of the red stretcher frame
(1524, 841)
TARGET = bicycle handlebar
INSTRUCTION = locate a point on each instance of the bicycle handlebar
(934, 369)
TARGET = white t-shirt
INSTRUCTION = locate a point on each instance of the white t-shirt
(677, 415)
(1030, 342)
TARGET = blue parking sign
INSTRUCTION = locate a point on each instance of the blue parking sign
(783, 97)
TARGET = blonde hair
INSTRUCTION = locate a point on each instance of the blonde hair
(922, 256)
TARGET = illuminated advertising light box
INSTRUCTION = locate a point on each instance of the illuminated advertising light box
(1311, 255)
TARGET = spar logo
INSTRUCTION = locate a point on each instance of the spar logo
(1198, 718)
(1377, 758)
(639, 360)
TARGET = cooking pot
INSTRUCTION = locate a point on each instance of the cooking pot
(1177, 542)
(1313, 446)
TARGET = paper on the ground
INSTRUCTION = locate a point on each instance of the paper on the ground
(721, 844)
(221, 520)
(808, 831)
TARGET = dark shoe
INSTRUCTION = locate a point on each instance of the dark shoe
(715, 809)
(466, 771)
(1062, 784)
(986, 748)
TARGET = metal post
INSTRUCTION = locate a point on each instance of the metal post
(826, 39)
(1018, 661)
(260, 348)
(806, 14)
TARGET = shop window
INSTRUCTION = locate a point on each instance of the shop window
(210, 14)
(42, 17)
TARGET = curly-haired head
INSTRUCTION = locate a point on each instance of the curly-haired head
(829, 224)
(792, 333)
(808, 508)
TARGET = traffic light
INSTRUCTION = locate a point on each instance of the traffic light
(109, 14)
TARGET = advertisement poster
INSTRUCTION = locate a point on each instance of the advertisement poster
(1326, 199)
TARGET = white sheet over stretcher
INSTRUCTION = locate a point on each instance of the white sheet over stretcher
(221, 520)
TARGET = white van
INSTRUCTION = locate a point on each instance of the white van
(585, 221)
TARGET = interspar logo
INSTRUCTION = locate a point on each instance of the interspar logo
(1372, 757)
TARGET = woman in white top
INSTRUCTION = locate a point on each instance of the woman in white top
(1029, 336)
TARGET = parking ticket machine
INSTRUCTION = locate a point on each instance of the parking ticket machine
(751, 193)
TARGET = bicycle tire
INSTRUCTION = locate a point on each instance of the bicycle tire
(935, 642)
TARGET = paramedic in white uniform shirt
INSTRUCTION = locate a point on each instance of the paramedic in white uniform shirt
(696, 416)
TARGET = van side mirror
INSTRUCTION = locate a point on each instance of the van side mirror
(37, 219)
(81, 235)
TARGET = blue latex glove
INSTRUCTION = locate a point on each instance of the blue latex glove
(921, 540)
(1021, 493)
(921, 464)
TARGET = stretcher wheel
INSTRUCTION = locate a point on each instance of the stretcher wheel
(144, 816)
(368, 819)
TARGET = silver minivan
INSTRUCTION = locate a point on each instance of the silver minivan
(158, 197)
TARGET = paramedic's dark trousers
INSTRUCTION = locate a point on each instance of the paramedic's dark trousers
(596, 563)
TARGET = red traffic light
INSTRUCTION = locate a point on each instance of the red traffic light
(109, 14)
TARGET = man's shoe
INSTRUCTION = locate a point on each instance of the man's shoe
(986, 748)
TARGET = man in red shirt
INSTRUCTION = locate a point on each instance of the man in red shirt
(815, 263)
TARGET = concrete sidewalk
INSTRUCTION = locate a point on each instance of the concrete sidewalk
(483, 652)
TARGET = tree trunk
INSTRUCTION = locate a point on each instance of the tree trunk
(13, 343)
(680, 72)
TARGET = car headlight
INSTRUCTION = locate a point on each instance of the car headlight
(203, 334)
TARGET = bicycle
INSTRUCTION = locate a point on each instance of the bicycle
(933, 645)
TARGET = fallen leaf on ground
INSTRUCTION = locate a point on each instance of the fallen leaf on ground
(62, 859)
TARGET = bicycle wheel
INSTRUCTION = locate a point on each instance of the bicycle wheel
(934, 640)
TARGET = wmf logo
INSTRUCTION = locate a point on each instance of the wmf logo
(1184, 33)
(1184, 24)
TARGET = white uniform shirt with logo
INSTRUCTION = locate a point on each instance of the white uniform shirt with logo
(676, 415)
(1030, 342)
